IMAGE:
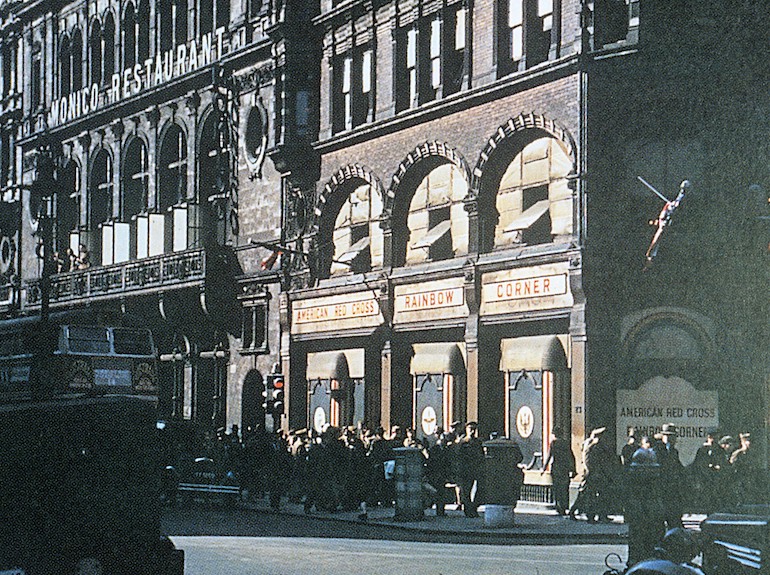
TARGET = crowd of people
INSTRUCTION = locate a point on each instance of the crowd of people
(722, 474)
(350, 468)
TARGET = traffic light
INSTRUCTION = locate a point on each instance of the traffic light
(278, 394)
(267, 394)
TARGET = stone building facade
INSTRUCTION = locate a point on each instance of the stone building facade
(452, 187)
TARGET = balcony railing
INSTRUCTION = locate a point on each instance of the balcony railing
(168, 270)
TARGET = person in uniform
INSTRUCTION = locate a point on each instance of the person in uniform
(707, 471)
(438, 469)
(629, 448)
(596, 489)
(471, 459)
(672, 472)
(562, 462)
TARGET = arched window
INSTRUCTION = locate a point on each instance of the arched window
(357, 236)
(77, 59)
(143, 27)
(68, 198)
(533, 199)
(172, 168)
(437, 222)
(65, 66)
(108, 36)
(95, 51)
(223, 13)
(99, 199)
(129, 37)
(135, 180)
(206, 17)
(173, 23)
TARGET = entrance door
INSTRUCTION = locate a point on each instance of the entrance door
(319, 402)
(525, 412)
(429, 402)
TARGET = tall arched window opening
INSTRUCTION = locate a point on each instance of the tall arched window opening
(95, 51)
(99, 201)
(143, 27)
(65, 66)
(77, 60)
(129, 37)
(108, 36)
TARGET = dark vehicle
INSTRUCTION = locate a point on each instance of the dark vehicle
(209, 483)
(86, 358)
(737, 543)
(80, 488)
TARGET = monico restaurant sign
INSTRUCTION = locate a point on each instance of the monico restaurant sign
(668, 400)
(165, 66)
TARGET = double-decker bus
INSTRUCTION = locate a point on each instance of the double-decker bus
(86, 358)
(80, 478)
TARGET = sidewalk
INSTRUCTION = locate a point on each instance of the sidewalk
(533, 523)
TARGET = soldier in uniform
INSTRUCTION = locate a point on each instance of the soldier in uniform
(707, 471)
(672, 472)
(471, 458)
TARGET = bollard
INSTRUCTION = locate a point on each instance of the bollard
(408, 476)
(500, 489)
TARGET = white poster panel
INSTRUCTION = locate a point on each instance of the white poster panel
(122, 241)
(180, 229)
(157, 234)
(107, 244)
(142, 224)
(668, 400)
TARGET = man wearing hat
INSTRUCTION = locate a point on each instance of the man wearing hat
(672, 472)
(471, 458)
(708, 466)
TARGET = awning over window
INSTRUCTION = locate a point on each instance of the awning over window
(528, 217)
(437, 358)
(339, 365)
(433, 235)
(354, 251)
(535, 353)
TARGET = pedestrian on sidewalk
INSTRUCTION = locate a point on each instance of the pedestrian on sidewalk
(562, 462)
(471, 457)
(438, 468)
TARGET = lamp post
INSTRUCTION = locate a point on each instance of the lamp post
(40, 196)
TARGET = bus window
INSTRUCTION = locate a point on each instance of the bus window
(132, 342)
(87, 339)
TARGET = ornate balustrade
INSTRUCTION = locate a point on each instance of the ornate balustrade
(168, 270)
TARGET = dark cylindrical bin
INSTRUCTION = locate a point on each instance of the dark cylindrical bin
(501, 481)
(408, 476)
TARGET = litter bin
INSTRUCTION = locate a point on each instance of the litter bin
(408, 476)
(502, 481)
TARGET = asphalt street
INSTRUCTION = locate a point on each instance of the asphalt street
(233, 542)
(217, 555)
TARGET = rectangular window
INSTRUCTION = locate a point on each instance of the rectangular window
(545, 13)
(460, 29)
(516, 29)
(37, 83)
(366, 72)
(347, 95)
(435, 54)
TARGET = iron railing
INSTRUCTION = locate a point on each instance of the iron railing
(167, 270)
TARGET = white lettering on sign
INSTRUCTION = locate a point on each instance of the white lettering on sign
(540, 286)
(342, 310)
(164, 67)
(449, 297)
(668, 400)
